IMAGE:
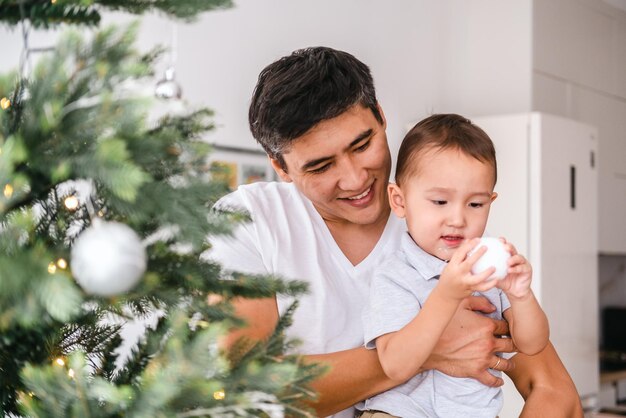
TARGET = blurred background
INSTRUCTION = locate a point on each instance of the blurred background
(557, 68)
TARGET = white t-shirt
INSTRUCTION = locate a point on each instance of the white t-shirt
(288, 237)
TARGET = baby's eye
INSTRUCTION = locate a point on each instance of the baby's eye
(440, 202)
(476, 205)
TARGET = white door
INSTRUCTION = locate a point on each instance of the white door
(569, 247)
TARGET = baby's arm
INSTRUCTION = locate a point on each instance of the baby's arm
(402, 353)
(527, 321)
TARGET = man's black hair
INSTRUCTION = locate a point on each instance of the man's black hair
(300, 90)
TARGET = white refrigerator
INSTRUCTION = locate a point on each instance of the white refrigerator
(547, 207)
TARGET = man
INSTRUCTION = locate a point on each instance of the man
(316, 115)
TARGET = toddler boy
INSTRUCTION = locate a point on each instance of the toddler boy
(445, 176)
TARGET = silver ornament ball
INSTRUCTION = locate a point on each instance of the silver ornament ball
(168, 88)
(108, 259)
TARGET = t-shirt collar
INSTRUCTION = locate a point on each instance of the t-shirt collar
(428, 266)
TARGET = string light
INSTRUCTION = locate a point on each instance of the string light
(214, 299)
(8, 190)
(61, 263)
(52, 268)
(70, 373)
(5, 103)
(60, 361)
(71, 202)
(219, 395)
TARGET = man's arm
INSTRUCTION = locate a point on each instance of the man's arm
(353, 375)
(545, 385)
(467, 348)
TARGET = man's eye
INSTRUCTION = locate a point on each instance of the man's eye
(320, 169)
(476, 205)
(362, 147)
(440, 202)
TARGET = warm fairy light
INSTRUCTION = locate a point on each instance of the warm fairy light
(52, 268)
(214, 299)
(61, 263)
(8, 190)
(5, 103)
(100, 213)
(71, 202)
(219, 395)
(53, 1)
(70, 373)
(60, 361)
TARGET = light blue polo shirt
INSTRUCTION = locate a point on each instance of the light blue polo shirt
(399, 289)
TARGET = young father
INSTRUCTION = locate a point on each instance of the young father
(329, 223)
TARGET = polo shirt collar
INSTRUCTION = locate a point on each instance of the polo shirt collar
(428, 266)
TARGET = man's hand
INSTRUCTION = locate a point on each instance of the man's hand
(468, 345)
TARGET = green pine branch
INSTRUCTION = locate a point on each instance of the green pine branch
(81, 117)
(48, 13)
(274, 353)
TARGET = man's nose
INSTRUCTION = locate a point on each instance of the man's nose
(352, 175)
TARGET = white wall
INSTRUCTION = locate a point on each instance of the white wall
(579, 71)
(426, 56)
(487, 51)
(220, 56)
(477, 57)
(11, 45)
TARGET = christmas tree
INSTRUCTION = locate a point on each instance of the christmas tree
(103, 218)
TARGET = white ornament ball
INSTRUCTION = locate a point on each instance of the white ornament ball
(496, 256)
(108, 259)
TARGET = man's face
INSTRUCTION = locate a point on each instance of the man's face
(342, 166)
(446, 201)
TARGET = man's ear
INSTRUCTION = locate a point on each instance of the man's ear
(278, 168)
(396, 200)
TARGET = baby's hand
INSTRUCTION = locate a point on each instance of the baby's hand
(457, 280)
(519, 275)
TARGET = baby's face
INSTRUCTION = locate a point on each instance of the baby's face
(446, 201)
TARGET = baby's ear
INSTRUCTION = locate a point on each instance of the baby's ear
(396, 200)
